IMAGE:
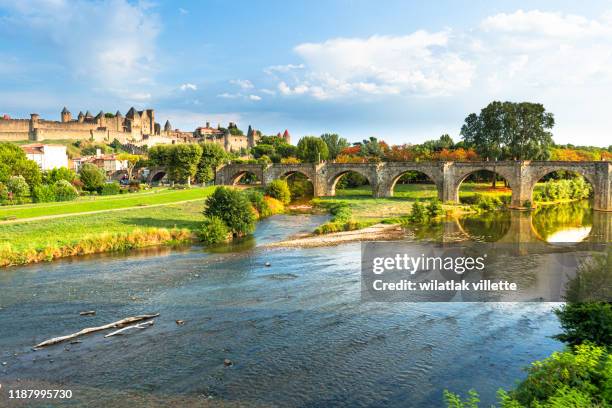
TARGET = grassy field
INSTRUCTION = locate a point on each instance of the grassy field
(369, 209)
(70, 230)
(102, 203)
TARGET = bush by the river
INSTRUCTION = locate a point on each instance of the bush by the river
(587, 314)
(18, 187)
(420, 214)
(280, 190)
(234, 208)
(577, 377)
(213, 231)
(43, 193)
(259, 204)
(555, 190)
(342, 218)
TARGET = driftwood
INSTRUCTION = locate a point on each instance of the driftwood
(141, 326)
(88, 313)
(88, 330)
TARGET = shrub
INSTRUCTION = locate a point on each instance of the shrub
(417, 213)
(3, 193)
(257, 201)
(213, 231)
(65, 191)
(110, 189)
(92, 177)
(587, 315)
(54, 175)
(43, 193)
(234, 208)
(280, 190)
(275, 206)
(18, 186)
(578, 377)
(434, 208)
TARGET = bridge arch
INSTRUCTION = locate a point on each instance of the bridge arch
(462, 175)
(539, 174)
(156, 175)
(388, 186)
(332, 181)
(240, 175)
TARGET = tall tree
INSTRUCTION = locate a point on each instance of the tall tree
(213, 155)
(335, 144)
(312, 149)
(183, 162)
(132, 160)
(527, 133)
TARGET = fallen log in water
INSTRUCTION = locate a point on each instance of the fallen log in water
(88, 330)
(140, 326)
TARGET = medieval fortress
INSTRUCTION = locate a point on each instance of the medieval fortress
(136, 127)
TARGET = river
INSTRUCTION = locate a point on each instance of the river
(295, 331)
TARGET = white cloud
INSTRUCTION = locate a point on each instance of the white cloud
(228, 95)
(267, 91)
(242, 83)
(255, 97)
(507, 53)
(108, 44)
(188, 86)
(421, 63)
(283, 68)
(183, 11)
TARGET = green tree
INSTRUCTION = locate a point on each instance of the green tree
(312, 149)
(59, 173)
(279, 189)
(335, 144)
(371, 148)
(13, 162)
(233, 207)
(132, 161)
(184, 159)
(587, 314)
(92, 177)
(213, 155)
(508, 130)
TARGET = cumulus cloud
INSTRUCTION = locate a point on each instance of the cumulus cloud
(254, 97)
(109, 44)
(188, 86)
(419, 63)
(506, 52)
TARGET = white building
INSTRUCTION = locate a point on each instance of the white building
(47, 156)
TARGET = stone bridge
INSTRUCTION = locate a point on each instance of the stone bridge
(521, 176)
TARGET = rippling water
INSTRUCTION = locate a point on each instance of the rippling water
(296, 331)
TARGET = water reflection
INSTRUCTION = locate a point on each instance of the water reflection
(561, 223)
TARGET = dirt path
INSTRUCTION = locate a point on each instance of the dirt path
(375, 232)
(48, 217)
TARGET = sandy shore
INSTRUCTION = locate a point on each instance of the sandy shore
(375, 232)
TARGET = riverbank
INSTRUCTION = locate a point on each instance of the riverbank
(377, 232)
(79, 234)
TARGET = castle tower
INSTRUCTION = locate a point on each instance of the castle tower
(88, 115)
(81, 117)
(99, 117)
(65, 116)
(226, 140)
(250, 138)
(167, 126)
(287, 136)
(34, 117)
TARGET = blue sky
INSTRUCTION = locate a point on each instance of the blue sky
(402, 71)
